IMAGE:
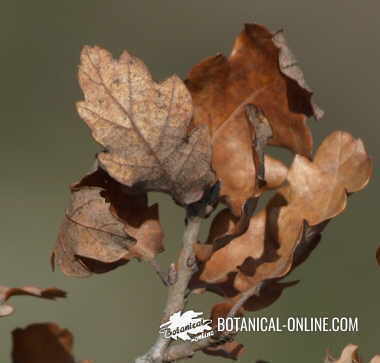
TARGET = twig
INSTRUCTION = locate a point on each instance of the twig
(157, 268)
(186, 266)
(263, 132)
(244, 296)
(188, 349)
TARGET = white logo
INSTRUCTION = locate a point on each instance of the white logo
(187, 326)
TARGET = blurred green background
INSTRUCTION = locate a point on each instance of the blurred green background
(45, 146)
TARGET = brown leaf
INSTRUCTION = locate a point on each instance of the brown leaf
(269, 293)
(224, 228)
(261, 71)
(105, 226)
(282, 235)
(221, 310)
(43, 343)
(231, 350)
(50, 293)
(316, 192)
(143, 126)
(378, 255)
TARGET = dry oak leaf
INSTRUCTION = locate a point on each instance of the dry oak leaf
(226, 226)
(50, 293)
(143, 126)
(260, 70)
(43, 343)
(270, 292)
(231, 350)
(105, 226)
(350, 354)
(315, 192)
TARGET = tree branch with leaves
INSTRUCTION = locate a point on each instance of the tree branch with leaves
(206, 141)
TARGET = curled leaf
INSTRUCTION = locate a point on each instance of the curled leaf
(143, 126)
(282, 235)
(105, 226)
(350, 354)
(50, 293)
(231, 350)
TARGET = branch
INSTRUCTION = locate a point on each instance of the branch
(188, 349)
(186, 266)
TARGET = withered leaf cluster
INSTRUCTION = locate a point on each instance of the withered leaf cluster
(185, 138)
(248, 252)
(105, 226)
(281, 236)
(260, 70)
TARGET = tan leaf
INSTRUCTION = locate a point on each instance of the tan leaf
(275, 173)
(50, 293)
(349, 355)
(143, 126)
(43, 343)
(316, 192)
(282, 235)
(341, 166)
(105, 226)
(261, 71)
(265, 250)
(225, 227)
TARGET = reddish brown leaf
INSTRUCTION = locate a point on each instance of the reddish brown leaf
(231, 350)
(283, 234)
(50, 293)
(269, 293)
(221, 310)
(262, 71)
(143, 126)
(378, 255)
(105, 226)
(43, 343)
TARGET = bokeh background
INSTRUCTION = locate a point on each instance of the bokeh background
(45, 146)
